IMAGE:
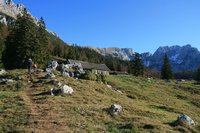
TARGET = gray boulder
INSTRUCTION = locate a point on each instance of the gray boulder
(115, 109)
(66, 89)
(3, 81)
(39, 70)
(48, 70)
(53, 91)
(50, 75)
(71, 74)
(53, 65)
(17, 78)
(65, 74)
(9, 81)
(2, 72)
(109, 86)
(185, 120)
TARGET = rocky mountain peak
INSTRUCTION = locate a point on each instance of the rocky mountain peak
(10, 9)
(185, 58)
(121, 53)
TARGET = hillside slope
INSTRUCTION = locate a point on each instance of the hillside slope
(148, 105)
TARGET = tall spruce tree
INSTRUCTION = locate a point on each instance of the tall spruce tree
(2, 45)
(43, 51)
(138, 68)
(166, 71)
(27, 40)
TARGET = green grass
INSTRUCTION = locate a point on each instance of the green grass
(148, 106)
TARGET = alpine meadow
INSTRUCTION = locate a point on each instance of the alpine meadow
(69, 82)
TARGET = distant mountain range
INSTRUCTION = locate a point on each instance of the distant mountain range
(121, 53)
(185, 58)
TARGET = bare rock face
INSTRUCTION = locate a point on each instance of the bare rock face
(9, 8)
(121, 53)
(9, 11)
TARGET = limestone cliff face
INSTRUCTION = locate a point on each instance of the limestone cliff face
(9, 11)
(121, 53)
(9, 8)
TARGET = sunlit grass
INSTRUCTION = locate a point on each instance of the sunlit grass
(148, 105)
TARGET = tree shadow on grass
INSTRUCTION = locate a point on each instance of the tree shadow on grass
(42, 94)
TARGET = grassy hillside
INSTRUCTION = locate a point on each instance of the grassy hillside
(148, 105)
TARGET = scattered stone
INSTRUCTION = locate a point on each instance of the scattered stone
(115, 109)
(185, 120)
(17, 78)
(119, 91)
(59, 84)
(48, 70)
(65, 74)
(77, 73)
(3, 81)
(2, 72)
(66, 89)
(39, 70)
(149, 79)
(109, 86)
(64, 67)
(9, 81)
(53, 91)
(56, 82)
(71, 74)
(50, 75)
(52, 65)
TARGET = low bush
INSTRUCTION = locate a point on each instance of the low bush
(94, 77)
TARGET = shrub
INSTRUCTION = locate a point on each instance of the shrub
(89, 76)
(94, 77)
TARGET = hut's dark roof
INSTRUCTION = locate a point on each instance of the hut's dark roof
(87, 65)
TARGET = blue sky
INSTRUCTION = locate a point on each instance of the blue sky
(142, 25)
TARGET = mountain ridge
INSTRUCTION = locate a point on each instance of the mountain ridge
(182, 58)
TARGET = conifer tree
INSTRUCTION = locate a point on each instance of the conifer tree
(138, 68)
(166, 71)
(1, 49)
(27, 40)
(43, 51)
(198, 74)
